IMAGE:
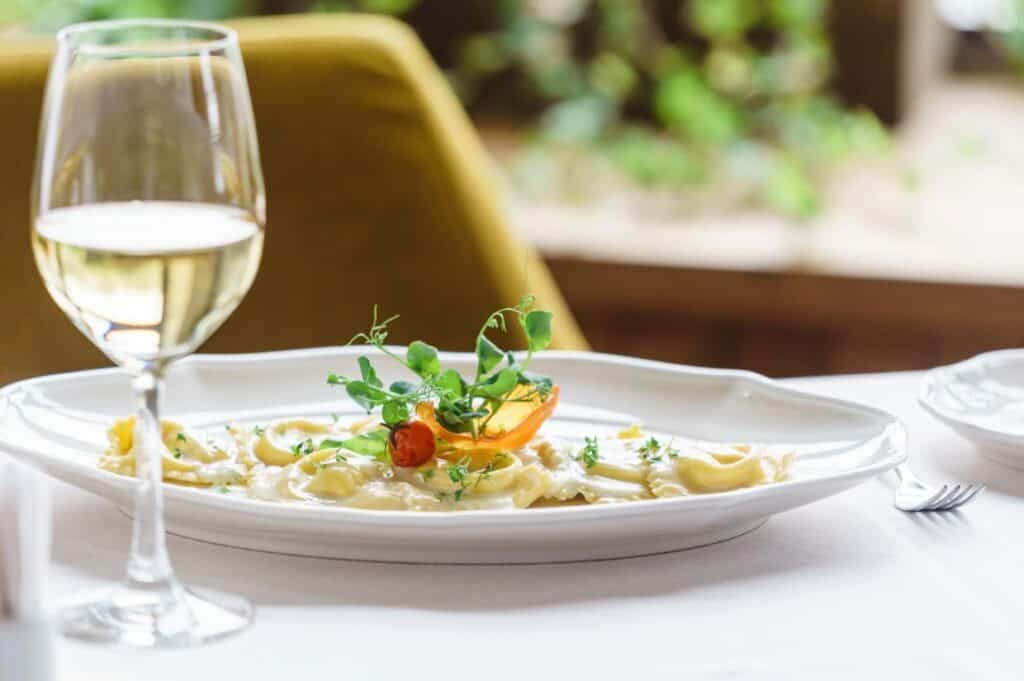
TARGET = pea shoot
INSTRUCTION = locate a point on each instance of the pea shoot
(462, 406)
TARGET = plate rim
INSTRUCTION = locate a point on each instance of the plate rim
(952, 418)
(894, 434)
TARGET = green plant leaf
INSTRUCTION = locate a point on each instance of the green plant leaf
(423, 359)
(723, 19)
(488, 355)
(368, 373)
(581, 119)
(537, 325)
(362, 394)
(374, 443)
(394, 412)
(402, 387)
(542, 383)
(685, 103)
(452, 382)
(789, 189)
(503, 382)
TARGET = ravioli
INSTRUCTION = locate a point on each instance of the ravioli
(309, 461)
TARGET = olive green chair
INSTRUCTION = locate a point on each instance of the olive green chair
(378, 192)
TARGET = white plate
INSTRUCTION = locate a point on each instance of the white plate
(59, 422)
(982, 398)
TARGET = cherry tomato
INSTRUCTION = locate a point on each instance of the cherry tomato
(411, 444)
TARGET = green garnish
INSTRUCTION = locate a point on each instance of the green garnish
(177, 453)
(303, 448)
(590, 454)
(649, 450)
(258, 431)
(223, 489)
(340, 457)
(428, 474)
(180, 437)
(484, 474)
(462, 406)
(374, 443)
(458, 473)
(334, 418)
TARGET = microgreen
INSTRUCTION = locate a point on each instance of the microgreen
(374, 444)
(177, 453)
(484, 474)
(459, 474)
(591, 453)
(259, 430)
(180, 437)
(462, 406)
(649, 450)
(303, 448)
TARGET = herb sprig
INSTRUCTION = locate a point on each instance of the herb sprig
(462, 406)
(591, 453)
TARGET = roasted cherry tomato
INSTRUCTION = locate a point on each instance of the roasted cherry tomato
(411, 444)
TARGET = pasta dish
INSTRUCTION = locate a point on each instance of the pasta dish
(446, 442)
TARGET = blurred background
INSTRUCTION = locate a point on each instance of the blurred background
(789, 186)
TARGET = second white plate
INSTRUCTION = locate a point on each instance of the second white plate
(59, 422)
(982, 399)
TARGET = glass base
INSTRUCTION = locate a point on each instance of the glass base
(154, 616)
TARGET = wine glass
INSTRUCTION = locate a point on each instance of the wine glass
(147, 227)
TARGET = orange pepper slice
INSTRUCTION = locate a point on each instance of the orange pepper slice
(512, 439)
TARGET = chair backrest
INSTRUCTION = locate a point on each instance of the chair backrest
(378, 192)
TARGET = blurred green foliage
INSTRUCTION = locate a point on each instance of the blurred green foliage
(680, 94)
(724, 90)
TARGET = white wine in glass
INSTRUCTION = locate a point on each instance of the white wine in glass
(148, 213)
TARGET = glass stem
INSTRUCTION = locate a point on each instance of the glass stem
(149, 563)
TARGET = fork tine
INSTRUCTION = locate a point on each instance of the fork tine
(975, 491)
(926, 505)
(952, 500)
(940, 504)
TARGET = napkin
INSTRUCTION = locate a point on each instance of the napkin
(26, 634)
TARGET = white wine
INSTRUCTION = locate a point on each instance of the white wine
(147, 281)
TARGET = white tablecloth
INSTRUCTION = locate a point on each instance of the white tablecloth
(847, 588)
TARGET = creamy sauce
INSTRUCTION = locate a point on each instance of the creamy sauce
(300, 461)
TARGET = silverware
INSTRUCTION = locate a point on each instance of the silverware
(915, 495)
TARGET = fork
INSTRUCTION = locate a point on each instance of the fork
(915, 495)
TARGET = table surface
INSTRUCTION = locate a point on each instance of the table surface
(847, 587)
